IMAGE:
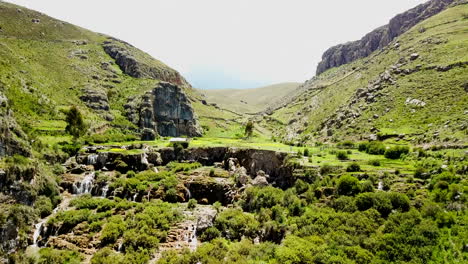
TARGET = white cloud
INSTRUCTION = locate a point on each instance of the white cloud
(249, 41)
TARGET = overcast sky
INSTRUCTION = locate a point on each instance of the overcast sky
(230, 44)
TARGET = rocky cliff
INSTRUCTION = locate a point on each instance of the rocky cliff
(140, 65)
(166, 110)
(380, 37)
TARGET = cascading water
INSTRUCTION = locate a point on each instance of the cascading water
(105, 189)
(92, 159)
(380, 185)
(85, 186)
(37, 232)
(193, 240)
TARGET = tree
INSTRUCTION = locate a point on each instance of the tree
(249, 129)
(75, 123)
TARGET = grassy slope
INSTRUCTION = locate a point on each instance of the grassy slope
(249, 100)
(442, 91)
(44, 70)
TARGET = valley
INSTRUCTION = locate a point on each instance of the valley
(108, 155)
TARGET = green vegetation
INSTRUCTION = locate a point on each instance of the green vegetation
(75, 124)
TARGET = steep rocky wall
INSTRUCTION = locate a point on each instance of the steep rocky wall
(381, 37)
(139, 65)
(166, 110)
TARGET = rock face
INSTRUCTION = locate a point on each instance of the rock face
(12, 138)
(140, 65)
(381, 37)
(166, 110)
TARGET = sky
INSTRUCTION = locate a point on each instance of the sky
(218, 44)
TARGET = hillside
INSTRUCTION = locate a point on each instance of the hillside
(365, 163)
(414, 89)
(249, 101)
(47, 65)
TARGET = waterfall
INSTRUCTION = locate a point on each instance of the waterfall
(144, 159)
(193, 240)
(37, 231)
(380, 185)
(92, 159)
(104, 191)
(134, 197)
(85, 186)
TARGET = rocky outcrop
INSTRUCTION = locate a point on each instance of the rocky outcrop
(12, 138)
(140, 65)
(381, 37)
(165, 109)
(95, 99)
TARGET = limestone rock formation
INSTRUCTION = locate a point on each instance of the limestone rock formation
(165, 109)
(380, 37)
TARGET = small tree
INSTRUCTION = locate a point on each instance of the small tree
(75, 123)
(249, 129)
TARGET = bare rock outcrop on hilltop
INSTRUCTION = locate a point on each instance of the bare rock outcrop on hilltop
(380, 37)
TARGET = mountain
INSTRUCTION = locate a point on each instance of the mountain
(47, 65)
(249, 101)
(381, 37)
(364, 163)
(413, 88)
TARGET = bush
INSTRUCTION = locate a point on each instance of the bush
(376, 148)
(374, 162)
(395, 152)
(212, 173)
(57, 256)
(342, 155)
(346, 144)
(348, 185)
(353, 167)
(192, 203)
(43, 206)
(75, 123)
(210, 233)
(306, 152)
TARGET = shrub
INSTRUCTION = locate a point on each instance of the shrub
(348, 185)
(75, 123)
(374, 162)
(130, 174)
(249, 129)
(326, 169)
(235, 224)
(210, 233)
(192, 203)
(212, 173)
(342, 155)
(57, 256)
(306, 152)
(376, 148)
(43, 206)
(395, 152)
(353, 167)
(345, 204)
(346, 144)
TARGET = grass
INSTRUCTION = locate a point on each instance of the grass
(444, 42)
